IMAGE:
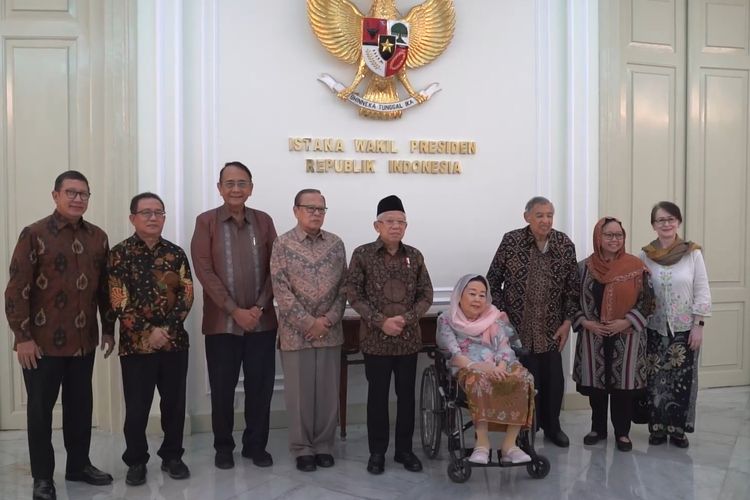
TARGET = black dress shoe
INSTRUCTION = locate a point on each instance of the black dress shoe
(593, 437)
(624, 445)
(306, 463)
(657, 438)
(680, 441)
(136, 475)
(223, 460)
(260, 458)
(324, 460)
(409, 459)
(176, 468)
(44, 489)
(559, 438)
(376, 464)
(91, 475)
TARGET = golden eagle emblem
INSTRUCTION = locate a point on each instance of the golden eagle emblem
(384, 45)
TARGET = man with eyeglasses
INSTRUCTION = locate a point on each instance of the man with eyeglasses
(231, 250)
(151, 291)
(308, 272)
(58, 280)
(534, 278)
(389, 286)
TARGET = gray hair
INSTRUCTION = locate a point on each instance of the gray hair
(537, 200)
(303, 192)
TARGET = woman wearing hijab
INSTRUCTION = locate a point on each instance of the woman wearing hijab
(476, 336)
(616, 301)
(675, 331)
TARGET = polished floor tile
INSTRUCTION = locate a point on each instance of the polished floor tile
(715, 467)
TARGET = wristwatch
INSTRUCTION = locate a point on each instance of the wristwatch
(699, 323)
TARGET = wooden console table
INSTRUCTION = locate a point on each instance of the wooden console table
(428, 327)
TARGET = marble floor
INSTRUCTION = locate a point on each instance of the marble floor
(715, 467)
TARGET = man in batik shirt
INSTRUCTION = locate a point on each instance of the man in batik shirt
(57, 279)
(388, 285)
(308, 272)
(151, 290)
(534, 278)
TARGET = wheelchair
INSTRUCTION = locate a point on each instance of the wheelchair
(442, 403)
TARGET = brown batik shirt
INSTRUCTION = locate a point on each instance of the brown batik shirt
(58, 279)
(539, 290)
(150, 287)
(380, 286)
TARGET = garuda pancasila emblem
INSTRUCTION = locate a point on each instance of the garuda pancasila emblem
(384, 45)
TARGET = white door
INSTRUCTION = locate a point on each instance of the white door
(717, 210)
(64, 105)
(674, 115)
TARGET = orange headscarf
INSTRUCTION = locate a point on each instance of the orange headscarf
(622, 276)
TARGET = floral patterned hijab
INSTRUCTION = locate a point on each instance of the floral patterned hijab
(486, 324)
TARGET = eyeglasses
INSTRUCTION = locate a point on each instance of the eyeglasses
(613, 236)
(665, 220)
(391, 222)
(310, 209)
(236, 184)
(147, 214)
(71, 194)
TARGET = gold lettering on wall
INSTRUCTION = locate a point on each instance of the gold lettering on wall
(381, 147)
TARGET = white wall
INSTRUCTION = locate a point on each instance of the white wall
(233, 80)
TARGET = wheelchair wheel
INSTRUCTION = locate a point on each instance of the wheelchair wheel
(459, 472)
(538, 468)
(432, 409)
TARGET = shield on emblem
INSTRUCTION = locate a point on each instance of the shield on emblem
(385, 45)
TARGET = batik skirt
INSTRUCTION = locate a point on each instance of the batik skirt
(500, 402)
(672, 383)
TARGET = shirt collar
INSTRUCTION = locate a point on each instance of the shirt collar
(379, 245)
(301, 235)
(225, 214)
(138, 241)
(531, 241)
(61, 222)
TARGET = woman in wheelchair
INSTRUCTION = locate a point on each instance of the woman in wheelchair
(476, 337)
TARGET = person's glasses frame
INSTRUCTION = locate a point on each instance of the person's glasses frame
(312, 210)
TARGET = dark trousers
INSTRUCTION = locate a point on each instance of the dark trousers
(378, 371)
(43, 386)
(621, 412)
(546, 367)
(256, 354)
(141, 374)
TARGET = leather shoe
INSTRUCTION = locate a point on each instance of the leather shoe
(593, 437)
(176, 468)
(559, 438)
(136, 475)
(324, 460)
(306, 463)
(624, 445)
(409, 459)
(376, 464)
(657, 438)
(44, 489)
(223, 460)
(91, 475)
(680, 441)
(260, 458)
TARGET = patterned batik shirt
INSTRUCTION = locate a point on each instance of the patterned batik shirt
(381, 286)
(58, 278)
(309, 281)
(150, 287)
(539, 290)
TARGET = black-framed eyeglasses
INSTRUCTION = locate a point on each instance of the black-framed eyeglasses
(147, 214)
(72, 194)
(236, 184)
(311, 209)
(613, 236)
